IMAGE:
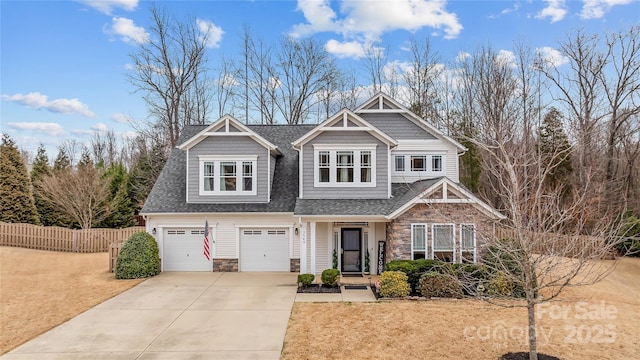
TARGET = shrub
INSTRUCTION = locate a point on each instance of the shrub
(500, 285)
(138, 257)
(413, 269)
(470, 276)
(394, 284)
(306, 279)
(435, 284)
(330, 277)
(630, 233)
(498, 261)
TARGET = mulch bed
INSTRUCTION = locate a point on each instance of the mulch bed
(525, 356)
(318, 289)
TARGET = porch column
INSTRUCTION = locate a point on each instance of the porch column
(303, 248)
(313, 247)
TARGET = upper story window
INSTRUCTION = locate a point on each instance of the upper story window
(418, 164)
(344, 165)
(227, 175)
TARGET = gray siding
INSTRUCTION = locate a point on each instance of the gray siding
(397, 126)
(236, 145)
(345, 137)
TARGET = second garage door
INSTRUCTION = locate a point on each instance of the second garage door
(184, 251)
(264, 250)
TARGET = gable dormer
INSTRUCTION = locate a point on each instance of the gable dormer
(344, 157)
(229, 163)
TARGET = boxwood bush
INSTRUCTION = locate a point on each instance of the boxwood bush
(138, 257)
(330, 277)
(435, 284)
(500, 285)
(394, 284)
(305, 279)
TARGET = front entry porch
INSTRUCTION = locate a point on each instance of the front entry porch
(341, 245)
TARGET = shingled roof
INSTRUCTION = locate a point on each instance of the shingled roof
(169, 193)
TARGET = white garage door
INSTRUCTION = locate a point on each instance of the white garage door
(264, 250)
(184, 250)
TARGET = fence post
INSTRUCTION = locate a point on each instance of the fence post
(74, 240)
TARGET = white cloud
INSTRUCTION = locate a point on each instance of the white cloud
(369, 19)
(107, 6)
(462, 56)
(552, 56)
(347, 49)
(119, 118)
(49, 129)
(214, 33)
(506, 11)
(556, 10)
(40, 101)
(595, 9)
(127, 30)
(506, 57)
(100, 127)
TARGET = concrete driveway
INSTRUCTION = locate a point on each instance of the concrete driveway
(178, 316)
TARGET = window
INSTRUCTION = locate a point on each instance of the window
(418, 241)
(226, 175)
(365, 166)
(209, 175)
(324, 166)
(436, 163)
(344, 165)
(247, 176)
(443, 242)
(418, 163)
(468, 243)
(399, 161)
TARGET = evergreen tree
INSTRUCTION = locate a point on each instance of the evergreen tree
(16, 196)
(555, 151)
(145, 172)
(470, 167)
(41, 168)
(62, 161)
(121, 211)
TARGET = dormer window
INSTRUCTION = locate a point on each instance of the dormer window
(227, 175)
(344, 165)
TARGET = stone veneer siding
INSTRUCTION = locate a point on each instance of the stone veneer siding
(399, 230)
(294, 265)
(225, 265)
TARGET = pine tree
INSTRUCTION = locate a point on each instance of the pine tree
(46, 210)
(16, 196)
(121, 211)
(62, 161)
(555, 151)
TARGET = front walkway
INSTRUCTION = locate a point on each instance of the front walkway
(347, 292)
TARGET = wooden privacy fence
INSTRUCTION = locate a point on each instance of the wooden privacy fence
(576, 246)
(55, 238)
(114, 251)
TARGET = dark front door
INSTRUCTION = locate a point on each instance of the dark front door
(351, 250)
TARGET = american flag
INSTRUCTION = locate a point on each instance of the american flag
(207, 252)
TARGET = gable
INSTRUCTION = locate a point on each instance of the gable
(444, 191)
(227, 126)
(398, 126)
(345, 121)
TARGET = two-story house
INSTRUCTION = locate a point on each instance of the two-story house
(299, 197)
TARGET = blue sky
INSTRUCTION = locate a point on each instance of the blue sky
(64, 63)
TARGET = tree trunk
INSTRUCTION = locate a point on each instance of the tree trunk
(531, 312)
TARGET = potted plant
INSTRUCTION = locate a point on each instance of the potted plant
(335, 259)
(366, 262)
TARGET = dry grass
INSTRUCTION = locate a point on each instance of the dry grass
(471, 329)
(42, 289)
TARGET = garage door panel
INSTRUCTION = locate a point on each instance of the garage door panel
(264, 250)
(183, 250)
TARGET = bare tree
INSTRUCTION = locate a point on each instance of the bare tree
(104, 147)
(422, 80)
(304, 67)
(79, 193)
(169, 71)
(559, 249)
(375, 58)
(226, 86)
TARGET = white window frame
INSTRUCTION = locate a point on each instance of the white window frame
(425, 238)
(429, 159)
(475, 246)
(453, 240)
(333, 159)
(239, 162)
